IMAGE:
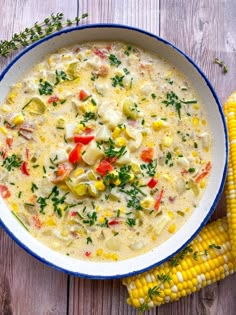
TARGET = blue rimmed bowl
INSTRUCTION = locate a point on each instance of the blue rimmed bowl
(101, 270)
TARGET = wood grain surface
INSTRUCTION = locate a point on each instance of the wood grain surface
(204, 29)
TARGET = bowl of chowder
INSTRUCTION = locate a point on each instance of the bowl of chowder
(113, 150)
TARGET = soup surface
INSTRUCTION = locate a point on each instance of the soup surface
(105, 151)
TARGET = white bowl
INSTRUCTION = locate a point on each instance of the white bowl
(102, 270)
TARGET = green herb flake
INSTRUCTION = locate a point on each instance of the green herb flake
(114, 61)
(89, 240)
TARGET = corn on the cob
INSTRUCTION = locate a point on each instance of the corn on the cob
(169, 282)
(230, 114)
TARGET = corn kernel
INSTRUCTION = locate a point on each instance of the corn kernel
(101, 220)
(3, 130)
(108, 213)
(147, 202)
(88, 52)
(202, 183)
(11, 97)
(194, 153)
(6, 109)
(154, 237)
(122, 210)
(80, 128)
(15, 207)
(157, 125)
(100, 185)
(196, 106)
(171, 214)
(172, 228)
(50, 222)
(99, 252)
(64, 233)
(135, 168)
(18, 119)
(116, 133)
(120, 141)
(195, 121)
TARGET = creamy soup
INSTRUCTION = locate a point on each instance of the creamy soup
(105, 151)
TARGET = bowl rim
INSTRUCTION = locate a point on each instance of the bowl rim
(217, 196)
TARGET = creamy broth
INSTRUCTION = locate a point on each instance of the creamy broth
(105, 151)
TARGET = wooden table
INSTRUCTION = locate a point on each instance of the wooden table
(204, 29)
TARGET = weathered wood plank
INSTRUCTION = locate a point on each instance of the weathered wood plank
(205, 30)
(26, 285)
(136, 13)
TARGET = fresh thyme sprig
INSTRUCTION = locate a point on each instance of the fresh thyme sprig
(30, 35)
(173, 262)
(221, 64)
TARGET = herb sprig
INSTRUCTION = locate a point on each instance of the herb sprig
(173, 262)
(38, 31)
(221, 64)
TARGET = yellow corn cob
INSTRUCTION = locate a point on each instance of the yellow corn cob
(230, 114)
(190, 275)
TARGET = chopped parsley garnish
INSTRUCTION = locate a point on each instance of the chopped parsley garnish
(170, 81)
(11, 162)
(191, 170)
(117, 80)
(128, 50)
(93, 102)
(45, 87)
(60, 76)
(34, 187)
(56, 200)
(114, 61)
(126, 71)
(89, 240)
(112, 152)
(88, 116)
(92, 218)
(93, 76)
(173, 99)
(131, 222)
(169, 159)
(153, 96)
(150, 168)
(134, 201)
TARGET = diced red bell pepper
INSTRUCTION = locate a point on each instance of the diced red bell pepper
(61, 170)
(204, 173)
(37, 222)
(147, 155)
(113, 222)
(4, 192)
(53, 99)
(158, 200)
(88, 130)
(83, 95)
(73, 214)
(75, 154)
(104, 167)
(152, 183)
(9, 141)
(24, 169)
(83, 139)
(99, 53)
(87, 254)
